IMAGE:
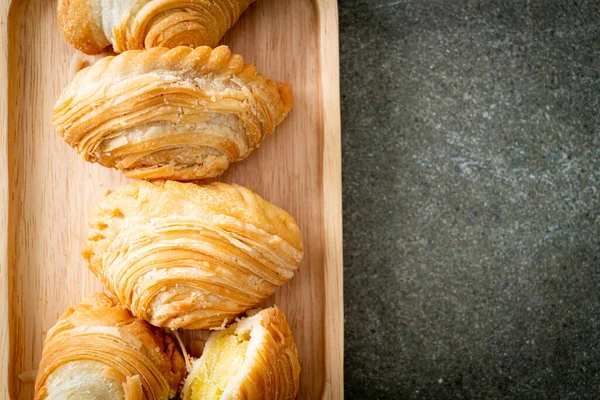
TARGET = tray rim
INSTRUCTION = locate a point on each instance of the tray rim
(327, 14)
(332, 201)
(4, 317)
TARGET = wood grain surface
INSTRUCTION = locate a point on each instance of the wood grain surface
(4, 314)
(47, 189)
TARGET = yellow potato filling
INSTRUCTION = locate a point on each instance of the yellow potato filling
(222, 361)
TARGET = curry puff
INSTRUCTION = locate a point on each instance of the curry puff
(253, 359)
(179, 114)
(98, 350)
(182, 255)
(92, 25)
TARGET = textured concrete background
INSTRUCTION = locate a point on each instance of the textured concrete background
(471, 165)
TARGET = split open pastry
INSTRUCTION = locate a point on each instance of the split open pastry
(92, 25)
(175, 114)
(253, 359)
(182, 255)
(98, 350)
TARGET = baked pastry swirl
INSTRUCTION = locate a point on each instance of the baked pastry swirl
(92, 25)
(182, 255)
(98, 350)
(254, 359)
(174, 114)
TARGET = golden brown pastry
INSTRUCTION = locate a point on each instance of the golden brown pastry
(92, 25)
(98, 350)
(254, 359)
(175, 114)
(182, 255)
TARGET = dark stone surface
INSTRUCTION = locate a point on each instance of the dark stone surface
(471, 166)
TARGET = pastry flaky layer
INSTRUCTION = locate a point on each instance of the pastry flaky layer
(262, 362)
(92, 25)
(175, 114)
(98, 350)
(182, 255)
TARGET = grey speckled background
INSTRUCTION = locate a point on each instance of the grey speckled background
(471, 166)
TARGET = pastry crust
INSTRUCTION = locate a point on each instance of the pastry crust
(92, 25)
(175, 114)
(182, 255)
(98, 347)
(270, 370)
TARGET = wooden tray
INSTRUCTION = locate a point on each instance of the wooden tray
(47, 189)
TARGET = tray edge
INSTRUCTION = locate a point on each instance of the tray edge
(4, 317)
(332, 192)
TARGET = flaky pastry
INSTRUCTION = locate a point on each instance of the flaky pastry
(253, 359)
(92, 25)
(182, 255)
(174, 114)
(98, 350)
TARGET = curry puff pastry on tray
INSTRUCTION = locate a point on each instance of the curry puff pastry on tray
(182, 255)
(98, 350)
(92, 25)
(253, 359)
(175, 114)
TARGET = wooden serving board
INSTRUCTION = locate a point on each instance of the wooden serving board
(47, 189)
